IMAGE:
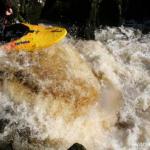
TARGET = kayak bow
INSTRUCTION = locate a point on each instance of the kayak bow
(37, 38)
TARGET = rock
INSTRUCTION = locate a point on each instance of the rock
(77, 146)
(61, 81)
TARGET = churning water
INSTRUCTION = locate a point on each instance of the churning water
(122, 55)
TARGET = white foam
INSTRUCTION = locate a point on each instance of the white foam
(124, 60)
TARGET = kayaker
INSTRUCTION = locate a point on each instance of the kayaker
(6, 15)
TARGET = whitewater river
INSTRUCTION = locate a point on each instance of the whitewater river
(122, 55)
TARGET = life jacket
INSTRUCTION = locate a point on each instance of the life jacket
(14, 32)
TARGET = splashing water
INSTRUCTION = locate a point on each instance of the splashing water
(120, 55)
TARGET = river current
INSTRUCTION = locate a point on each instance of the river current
(123, 56)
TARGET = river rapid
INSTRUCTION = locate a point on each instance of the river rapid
(122, 55)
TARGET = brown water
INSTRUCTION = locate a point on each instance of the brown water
(120, 59)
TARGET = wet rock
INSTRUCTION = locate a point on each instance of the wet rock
(77, 146)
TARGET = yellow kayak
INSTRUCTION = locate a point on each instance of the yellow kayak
(38, 38)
